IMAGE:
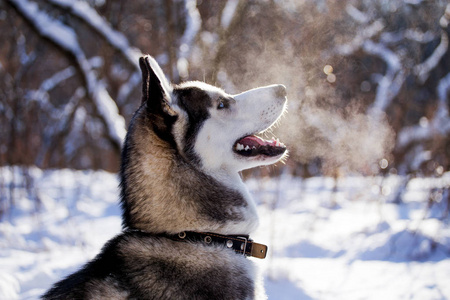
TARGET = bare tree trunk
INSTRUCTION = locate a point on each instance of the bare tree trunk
(225, 34)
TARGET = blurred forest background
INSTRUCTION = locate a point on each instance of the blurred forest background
(368, 80)
(365, 190)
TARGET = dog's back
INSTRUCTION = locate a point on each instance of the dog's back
(179, 179)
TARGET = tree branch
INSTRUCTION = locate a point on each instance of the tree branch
(65, 39)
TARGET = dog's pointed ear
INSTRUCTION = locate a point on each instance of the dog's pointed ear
(156, 89)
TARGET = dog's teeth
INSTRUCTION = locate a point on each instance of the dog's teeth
(239, 147)
(253, 147)
(247, 148)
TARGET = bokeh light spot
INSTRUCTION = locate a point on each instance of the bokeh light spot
(384, 163)
(331, 78)
(328, 69)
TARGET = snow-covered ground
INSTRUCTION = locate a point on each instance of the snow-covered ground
(326, 241)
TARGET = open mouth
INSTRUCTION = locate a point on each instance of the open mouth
(252, 145)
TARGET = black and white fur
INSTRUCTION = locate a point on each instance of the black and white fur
(180, 172)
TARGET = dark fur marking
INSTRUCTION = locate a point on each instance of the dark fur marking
(213, 198)
(195, 102)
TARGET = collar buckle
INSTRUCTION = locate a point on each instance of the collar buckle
(244, 246)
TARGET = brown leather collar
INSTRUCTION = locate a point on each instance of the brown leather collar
(241, 244)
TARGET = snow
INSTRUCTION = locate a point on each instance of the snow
(390, 84)
(442, 119)
(107, 108)
(326, 241)
(85, 12)
(423, 70)
(418, 36)
(193, 24)
(365, 34)
(228, 13)
(52, 29)
(57, 78)
(356, 14)
(439, 124)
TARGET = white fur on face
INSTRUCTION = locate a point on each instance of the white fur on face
(253, 112)
(249, 113)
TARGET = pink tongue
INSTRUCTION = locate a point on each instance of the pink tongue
(253, 140)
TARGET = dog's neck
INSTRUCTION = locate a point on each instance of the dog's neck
(161, 192)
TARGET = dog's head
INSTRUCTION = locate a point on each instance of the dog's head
(184, 148)
(210, 128)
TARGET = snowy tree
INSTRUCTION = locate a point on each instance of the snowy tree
(88, 83)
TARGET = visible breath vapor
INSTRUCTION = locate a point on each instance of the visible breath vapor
(344, 138)
(356, 142)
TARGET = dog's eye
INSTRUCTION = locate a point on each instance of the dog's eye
(223, 103)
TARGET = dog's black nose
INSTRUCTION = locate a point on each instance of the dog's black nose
(280, 91)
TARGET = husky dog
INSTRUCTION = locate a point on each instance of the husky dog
(186, 212)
